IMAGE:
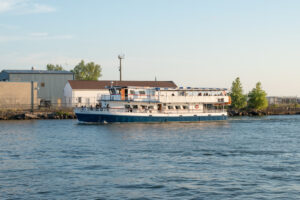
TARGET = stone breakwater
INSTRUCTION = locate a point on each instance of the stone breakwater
(27, 115)
(233, 113)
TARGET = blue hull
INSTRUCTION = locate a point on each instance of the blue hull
(120, 118)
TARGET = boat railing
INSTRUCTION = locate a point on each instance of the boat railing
(145, 98)
(166, 99)
(129, 110)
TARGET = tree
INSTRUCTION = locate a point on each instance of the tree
(238, 99)
(257, 98)
(51, 67)
(88, 71)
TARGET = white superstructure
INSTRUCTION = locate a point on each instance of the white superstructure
(158, 104)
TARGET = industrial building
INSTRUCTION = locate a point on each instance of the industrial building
(18, 95)
(276, 100)
(50, 84)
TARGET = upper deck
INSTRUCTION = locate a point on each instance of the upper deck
(167, 95)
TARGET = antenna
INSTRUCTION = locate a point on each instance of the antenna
(121, 56)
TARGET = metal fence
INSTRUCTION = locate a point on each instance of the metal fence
(41, 104)
(184, 111)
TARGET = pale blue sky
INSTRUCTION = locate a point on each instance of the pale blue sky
(193, 42)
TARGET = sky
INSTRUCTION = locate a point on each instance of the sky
(196, 43)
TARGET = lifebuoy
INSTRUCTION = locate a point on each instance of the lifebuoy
(196, 106)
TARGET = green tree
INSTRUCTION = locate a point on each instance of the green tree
(88, 71)
(257, 98)
(51, 67)
(238, 99)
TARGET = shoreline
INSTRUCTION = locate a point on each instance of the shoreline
(232, 113)
(36, 115)
(67, 114)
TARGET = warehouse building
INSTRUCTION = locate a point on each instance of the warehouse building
(50, 84)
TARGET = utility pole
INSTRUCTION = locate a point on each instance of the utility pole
(32, 96)
(121, 56)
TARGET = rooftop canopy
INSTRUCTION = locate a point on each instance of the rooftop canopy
(77, 84)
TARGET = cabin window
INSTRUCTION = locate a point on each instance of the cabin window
(79, 100)
(42, 84)
(144, 107)
(142, 92)
(177, 107)
(150, 92)
(150, 107)
(181, 93)
(221, 100)
(127, 106)
(132, 92)
(170, 107)
(185, 107)
(135, 106)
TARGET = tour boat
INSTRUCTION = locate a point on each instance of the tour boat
(150, 104)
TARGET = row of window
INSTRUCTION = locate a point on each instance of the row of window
(141, 92)
(182, 93)
(170, 107)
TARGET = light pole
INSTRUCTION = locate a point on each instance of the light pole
(121, 56)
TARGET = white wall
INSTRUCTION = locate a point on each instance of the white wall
(87, 97)
(68, 95)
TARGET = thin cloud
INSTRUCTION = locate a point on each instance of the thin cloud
(39, 34)
(8, 26)
(39, 60)
(34, 36)
(24, 7)
(38, 8)
(5, 5)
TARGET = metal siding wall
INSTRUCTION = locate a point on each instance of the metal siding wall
(4, 76)
(54, 84)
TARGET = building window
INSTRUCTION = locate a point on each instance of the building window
(79, 100)
(42, 84)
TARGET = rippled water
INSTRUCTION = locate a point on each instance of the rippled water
(242, 158)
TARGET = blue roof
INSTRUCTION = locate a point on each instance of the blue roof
(35, 72)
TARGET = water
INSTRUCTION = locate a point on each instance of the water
(242, 158)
